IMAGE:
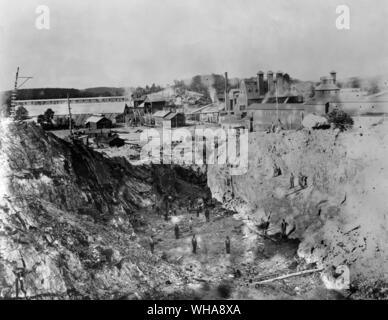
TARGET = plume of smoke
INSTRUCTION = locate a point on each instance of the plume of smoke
(212, 94)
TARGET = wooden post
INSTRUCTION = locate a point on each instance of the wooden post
(70, 117)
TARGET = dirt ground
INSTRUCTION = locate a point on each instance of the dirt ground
(212, 273)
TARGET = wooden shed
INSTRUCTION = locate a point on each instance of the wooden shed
(174, 119)
(98, 122)
(169, 119)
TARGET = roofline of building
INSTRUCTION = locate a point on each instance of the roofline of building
(72, 99)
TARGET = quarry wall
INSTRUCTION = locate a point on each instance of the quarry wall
(340, 217)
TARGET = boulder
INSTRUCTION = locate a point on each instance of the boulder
(313, 121)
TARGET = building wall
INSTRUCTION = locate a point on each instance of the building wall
(290, 119)
(362, 108)
(353, 108)
(178, 120)
(102, 124)
(209, 117)
(155, 106)
(158, 121)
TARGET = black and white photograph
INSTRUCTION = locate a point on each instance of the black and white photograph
(193, 150)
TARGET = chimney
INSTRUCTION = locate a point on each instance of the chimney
(270, 82)
(260, 83)
(334, 76)
(279, 82)
(227, 105)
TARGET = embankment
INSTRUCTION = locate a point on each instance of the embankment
(341, 217)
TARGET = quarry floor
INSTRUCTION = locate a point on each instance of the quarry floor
(213, 274)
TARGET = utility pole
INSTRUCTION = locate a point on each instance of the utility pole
(277, 104)
(226, 95)
(70, 117)
(14, 92)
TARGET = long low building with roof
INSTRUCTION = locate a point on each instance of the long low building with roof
(81, 108)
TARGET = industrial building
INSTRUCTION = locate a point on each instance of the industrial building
(262, 115)
(328, 96)
(209, 113)
(81, 108)
(260, 90)
(260, 102)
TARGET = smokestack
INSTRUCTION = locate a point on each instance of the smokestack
(270, 82)
(227, 105)
(260, 83)
(279, 82)
(334, 76)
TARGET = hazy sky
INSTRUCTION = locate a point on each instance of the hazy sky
(137, 42)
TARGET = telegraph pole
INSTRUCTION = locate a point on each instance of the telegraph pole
(277, 104)
(70, 117)
(226, 95)
(14, 92)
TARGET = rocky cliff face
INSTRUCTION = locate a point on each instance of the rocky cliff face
(340, 217)
(65, 221)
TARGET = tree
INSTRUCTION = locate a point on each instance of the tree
(311, 91)
(373, 87)
(219, 83)
(355, 82)
(287, 78)
(197, 86)
(340, 119)
(48, 115)
(41, 119)
(21, 113)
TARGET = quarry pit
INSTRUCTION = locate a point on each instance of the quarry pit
(78, 221)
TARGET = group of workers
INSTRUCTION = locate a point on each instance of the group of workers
(283, 227)
(194, 242)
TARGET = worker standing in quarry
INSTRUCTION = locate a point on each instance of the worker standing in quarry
(292, 180)
(300, 180)
(304, 181)
(19, 282)
(227, 245)
(266, 224)
(191, 224)
(152, 243)
(273, 127)
(176, 230)
(284, 229)
(194, 243)
(199, 205)
(207, 215)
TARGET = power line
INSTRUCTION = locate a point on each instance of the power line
(14, 92)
